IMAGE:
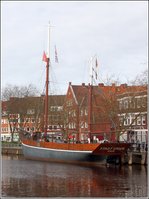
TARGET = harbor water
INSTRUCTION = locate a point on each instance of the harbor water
(27, 178)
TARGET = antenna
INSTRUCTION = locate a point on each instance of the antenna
(91, 72)
(93, 67)
(48, 44)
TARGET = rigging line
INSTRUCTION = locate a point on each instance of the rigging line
(44, 89)
(106, 83)
(42, 66)
(53, 77)
(40, 79)
(85, 69)
(99, 89)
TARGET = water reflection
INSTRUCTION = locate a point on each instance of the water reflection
(41, 179)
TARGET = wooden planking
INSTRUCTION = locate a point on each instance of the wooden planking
(63, 146)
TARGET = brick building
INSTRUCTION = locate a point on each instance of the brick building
(133, 115)
(95, 112)
(28, 113)
(101, 119)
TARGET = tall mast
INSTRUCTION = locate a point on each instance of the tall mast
(90, 97)
(47, 83)
(89, 109)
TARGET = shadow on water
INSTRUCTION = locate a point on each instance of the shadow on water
(26, 178)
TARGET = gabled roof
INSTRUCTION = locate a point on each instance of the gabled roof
(81, 92)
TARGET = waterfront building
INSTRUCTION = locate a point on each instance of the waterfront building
(133, 115)
(86, 112)
(101, 118)
(27, 113)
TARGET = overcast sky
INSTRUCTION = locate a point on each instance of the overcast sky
(116, 32)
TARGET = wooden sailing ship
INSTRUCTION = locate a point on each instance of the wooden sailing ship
(93, 153)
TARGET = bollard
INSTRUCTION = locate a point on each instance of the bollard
(143, 157)
(130, 158)
(17, 151)
(122, 159)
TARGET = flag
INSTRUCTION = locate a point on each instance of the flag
(96, 75)
(56, 57)
(44, 58)
(96, 63)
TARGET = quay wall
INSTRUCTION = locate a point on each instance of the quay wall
(12, 150)
(137, 158)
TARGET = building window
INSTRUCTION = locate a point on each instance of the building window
(133, 119)
(69, 103)
(120, 105)
(33, 128)
(73, 113)
(3, 121)
(50, 127)
(138, 121)
(132, 103)
(70, 125)
(121, 121)
(82, 124)
(86, 125)
(30, 111)
(126, 121)
(27, 120)
(138, 102)
(59, 108)
(85, 112)
(33, 120)
(144, 102)
(143, 120)
(56, 108)
(81, 112)
(126, 104)
(55, 127)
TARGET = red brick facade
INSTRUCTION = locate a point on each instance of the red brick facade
(104, 120)
(72, 114)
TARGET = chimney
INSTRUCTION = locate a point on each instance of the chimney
(101, 85)
(83, 84)
(69, 83)
(124, 85)
(13, 98)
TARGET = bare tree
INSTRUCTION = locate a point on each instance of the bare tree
(14, 95)
(18, 91)
(111, 79)
(122, 106)
(140, 79)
